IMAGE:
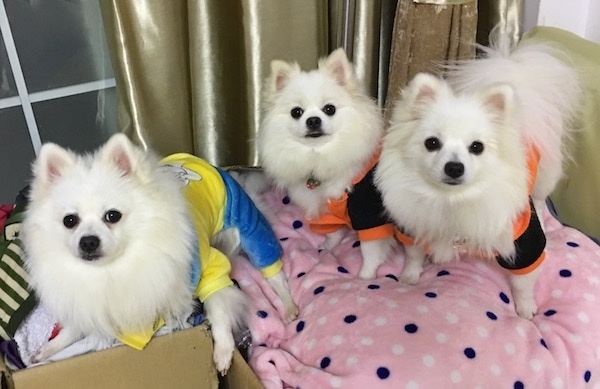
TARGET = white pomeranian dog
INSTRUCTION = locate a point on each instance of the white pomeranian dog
(319, 141)
(115, 248)
(464, 156)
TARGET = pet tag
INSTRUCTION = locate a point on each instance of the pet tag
(312, 183)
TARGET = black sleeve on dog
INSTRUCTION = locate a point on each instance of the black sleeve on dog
(365, 206)
(528, 247)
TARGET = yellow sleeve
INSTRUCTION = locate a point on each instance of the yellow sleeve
(214, 275)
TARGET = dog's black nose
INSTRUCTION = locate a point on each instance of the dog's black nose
(454, 169)
(313, 122)
(89, 244)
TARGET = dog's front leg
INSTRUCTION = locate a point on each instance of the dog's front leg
(65, 338)
(522, 288)
(375, 253)
(333, 239)
(413, 264)
(279, 283)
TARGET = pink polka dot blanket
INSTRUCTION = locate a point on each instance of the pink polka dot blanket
(456, 328)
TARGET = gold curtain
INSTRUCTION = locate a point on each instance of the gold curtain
(189, 73)
(507, 13)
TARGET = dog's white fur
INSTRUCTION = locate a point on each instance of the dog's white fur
(350, 138)
(512, 97)
(141, 270)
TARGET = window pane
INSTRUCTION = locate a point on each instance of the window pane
(59, 42)
(80, 122)
(7, 81)
(16, 154)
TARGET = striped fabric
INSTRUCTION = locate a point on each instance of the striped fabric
(16, 300)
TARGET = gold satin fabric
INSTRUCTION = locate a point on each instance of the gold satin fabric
(189, 73)
(508, 14)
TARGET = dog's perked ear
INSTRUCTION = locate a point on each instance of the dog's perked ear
(498, 100)
(339, 67)
(52, 162)
(119, 151)
(281, 73)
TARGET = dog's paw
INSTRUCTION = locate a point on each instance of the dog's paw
(526, 308)
(291, 312)
(45, 352)
(367, 273)
(410, 276)
(222, 356)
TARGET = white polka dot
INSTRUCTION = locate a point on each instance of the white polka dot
(557, 293)
(455, 376)
(495, 369)
(441, 338)
(306, 284)
(322, 320)
(333, 300)
(397, 349)
(428, 360)
(510, 348)
(479, 279)
(463, 303)
(452, 318)
(544, 327)
(336, 382)
(309, 308)
(481, 266)
(483, 332)
(571, 256)
(598, 353)
(346, 285)
(352, 361)
(412, 385)
(520, 331)
(557, 383)
(337, 340)
(366, 341)
(575, 338)
(401, 290)
(583, 317)
(536, 364)
(244, 282)
(593, 280)
(422, 309)
(380, 321)
(391, 304)
(311, 344)
(597, 385)
(362, 300)
(589, 297)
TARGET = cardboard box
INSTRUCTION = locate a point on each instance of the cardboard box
(179, 360)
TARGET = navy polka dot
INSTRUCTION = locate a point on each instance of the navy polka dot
(300, 326)
(320, 289)
(263, 345)
(443, 273)
(235, 283)
(393, 277)
(550, 312)
(504, 298)
(262, 314)
(272, 362)
(356, 244)
(383, 373)
(565, 273)
(350, 319)
(587, 376)
(491, 315)
(469, 353)
(572, 244)
(431, 295)
(518, 385)
(283, 239)
(297, 224)
(411, 328)
(543, 343)
(285, 200)
(373, 286)
(301, 274)
(342, 269)
(325, 362)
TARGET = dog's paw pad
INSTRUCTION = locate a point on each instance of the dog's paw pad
(222, 358)
(291, 313)
(526, 309)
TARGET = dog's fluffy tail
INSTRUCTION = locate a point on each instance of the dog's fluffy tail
(547, 93)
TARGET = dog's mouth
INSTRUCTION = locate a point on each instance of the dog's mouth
(314, 134)
(453, 181)
(90, 257)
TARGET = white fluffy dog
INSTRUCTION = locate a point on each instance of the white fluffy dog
(320, 140)
(464, 156)
(114, 249)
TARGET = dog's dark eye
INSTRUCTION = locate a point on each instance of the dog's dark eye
(433, 144)
(296, 112)
(476, 147)
(70, 221)
(329, 109)
(112, 216)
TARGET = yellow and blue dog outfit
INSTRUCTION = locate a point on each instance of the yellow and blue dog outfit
(217, 202)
